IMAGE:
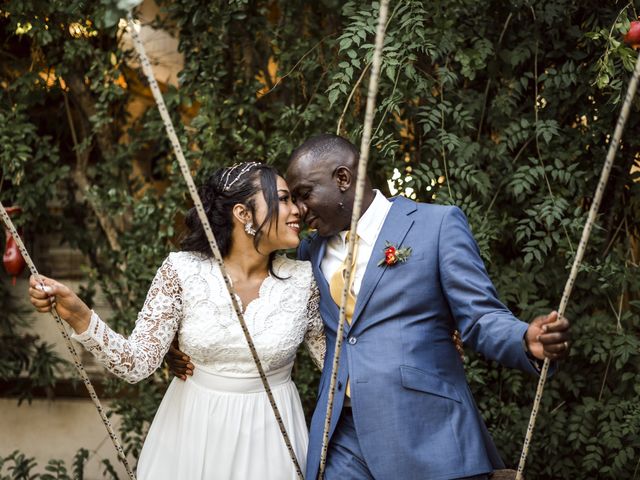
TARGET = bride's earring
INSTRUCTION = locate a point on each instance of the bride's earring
(248, 227)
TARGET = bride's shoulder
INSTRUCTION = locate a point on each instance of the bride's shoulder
(184, 260)
(297, 270)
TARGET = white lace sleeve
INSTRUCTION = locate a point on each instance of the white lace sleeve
(137, 357)
(314, 339)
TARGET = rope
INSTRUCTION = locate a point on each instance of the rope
(355, 216)
(184, 167)
(67, 340)
(593, 211)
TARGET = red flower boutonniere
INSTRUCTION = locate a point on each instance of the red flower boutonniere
(393, 254)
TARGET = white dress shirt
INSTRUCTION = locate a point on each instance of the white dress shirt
(368, 229)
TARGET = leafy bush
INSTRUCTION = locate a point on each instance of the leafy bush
(25, 360)
(503, 108)
(18, 466)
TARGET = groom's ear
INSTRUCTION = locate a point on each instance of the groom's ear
(344, 178)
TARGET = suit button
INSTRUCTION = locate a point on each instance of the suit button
(339, 385)
(353, 340)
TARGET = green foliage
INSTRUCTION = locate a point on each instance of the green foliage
(503, 108)
(24, 357)
(17, 466)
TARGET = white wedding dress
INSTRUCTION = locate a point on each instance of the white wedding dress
(218, 424)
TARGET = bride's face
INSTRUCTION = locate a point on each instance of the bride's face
(283, 234)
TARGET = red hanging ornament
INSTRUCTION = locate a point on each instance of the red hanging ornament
(632, 37)
(12, 259)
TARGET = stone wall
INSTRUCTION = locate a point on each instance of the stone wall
(55, 428)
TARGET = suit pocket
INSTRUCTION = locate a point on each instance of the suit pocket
(415, 379)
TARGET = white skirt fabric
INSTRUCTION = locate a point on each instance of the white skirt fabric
(218, 427)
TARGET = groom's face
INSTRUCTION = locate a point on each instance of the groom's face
(317, 194)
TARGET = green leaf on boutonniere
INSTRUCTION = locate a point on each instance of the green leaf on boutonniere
(393, 254)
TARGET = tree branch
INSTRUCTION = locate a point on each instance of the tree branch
(81, 180)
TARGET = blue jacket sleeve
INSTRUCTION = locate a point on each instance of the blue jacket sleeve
(485, 324)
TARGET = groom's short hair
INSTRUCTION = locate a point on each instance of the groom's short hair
(325, 144)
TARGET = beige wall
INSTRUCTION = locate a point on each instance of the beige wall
(56, 429)
(161, 47)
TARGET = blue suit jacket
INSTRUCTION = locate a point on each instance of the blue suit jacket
(414, 413)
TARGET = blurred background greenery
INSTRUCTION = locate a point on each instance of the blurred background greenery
(504, 108)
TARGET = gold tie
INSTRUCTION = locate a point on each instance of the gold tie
(336, 287)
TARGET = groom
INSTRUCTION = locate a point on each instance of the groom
(403, 409)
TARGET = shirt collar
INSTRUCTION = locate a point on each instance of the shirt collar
(371, 221)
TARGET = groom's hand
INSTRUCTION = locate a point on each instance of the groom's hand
(548, 336)
(179, 363)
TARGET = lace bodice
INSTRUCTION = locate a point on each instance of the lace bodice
(188, 296)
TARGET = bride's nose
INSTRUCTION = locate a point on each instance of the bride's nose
(295, 211)
(302, 209)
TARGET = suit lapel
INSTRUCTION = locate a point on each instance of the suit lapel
(394, 230)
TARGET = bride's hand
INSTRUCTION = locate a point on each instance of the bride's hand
(48, 293)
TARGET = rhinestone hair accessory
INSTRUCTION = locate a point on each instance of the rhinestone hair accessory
(235, 173)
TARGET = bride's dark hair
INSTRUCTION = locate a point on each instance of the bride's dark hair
(219, 193)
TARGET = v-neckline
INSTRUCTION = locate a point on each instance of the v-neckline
(244, 308)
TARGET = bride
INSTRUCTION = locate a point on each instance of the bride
(218, 424)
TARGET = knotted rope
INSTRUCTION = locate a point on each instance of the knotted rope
(67, 340)
(184, 168)
(355, 216)
(577, 261)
